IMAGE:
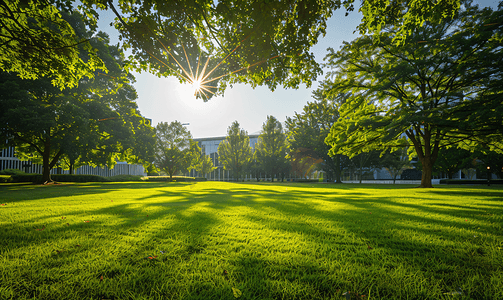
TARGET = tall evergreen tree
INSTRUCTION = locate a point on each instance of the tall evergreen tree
(235, 152)
(271, 148)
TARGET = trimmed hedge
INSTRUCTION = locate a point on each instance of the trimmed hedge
(305, 180)
(468, 181)
(175, 178)
(123, 178)
(11, 172)
(37, 178)
(5, 178)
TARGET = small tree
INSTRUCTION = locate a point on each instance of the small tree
(200, 162)
(205, 165)
(395, 162)
(172, 149)
(270, 151)
(235, 152)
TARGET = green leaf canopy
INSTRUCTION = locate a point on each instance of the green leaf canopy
(441, 88)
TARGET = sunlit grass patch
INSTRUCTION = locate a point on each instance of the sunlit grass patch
(137, 240)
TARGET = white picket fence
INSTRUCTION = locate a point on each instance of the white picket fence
(118, 169)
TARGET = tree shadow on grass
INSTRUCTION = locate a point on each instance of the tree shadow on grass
(269, 241)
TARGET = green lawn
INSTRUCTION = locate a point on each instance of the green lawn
(211, 240)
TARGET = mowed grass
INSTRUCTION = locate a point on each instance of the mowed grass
(214, 240)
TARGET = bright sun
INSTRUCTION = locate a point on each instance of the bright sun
(200, 79)
(196, 86)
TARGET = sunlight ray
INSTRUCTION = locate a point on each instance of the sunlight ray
(199, 80)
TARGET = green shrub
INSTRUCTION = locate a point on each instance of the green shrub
(37, 178)
(468, 181)
(32, 177)
(305, 180)
(122, 178)
(175, 178)
(11, 172)
(78, 178)
(5, 178)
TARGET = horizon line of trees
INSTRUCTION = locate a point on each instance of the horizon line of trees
(300, 150)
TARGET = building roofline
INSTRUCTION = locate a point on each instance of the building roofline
(221, 138)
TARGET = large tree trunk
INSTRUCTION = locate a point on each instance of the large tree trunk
(47, 163)
(427, 154)
(427, 172)
(46, 170)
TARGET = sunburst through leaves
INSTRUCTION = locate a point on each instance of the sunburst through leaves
(200, 79)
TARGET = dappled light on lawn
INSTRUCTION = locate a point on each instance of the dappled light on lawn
(220, 240)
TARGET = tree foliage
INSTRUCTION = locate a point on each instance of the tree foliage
(96, 122)
(204, 165)
(441, 88)
(36, 40)
(407, 16)
(451, 160)
(271, 148)
(267, 41)
(395, 162)
(174, 149)
(307, 132)
(235, 152)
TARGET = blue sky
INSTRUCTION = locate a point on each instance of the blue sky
(166, 100)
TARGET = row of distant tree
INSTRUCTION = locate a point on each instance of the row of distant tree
(299, 149)
(176, 152)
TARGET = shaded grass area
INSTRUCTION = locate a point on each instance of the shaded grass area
(137, 240)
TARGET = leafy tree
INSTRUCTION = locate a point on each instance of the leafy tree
(303, 164)
(198, 160)
(405, 15)
(174, 150)
(36, 119)
(93, 123)
(37, 40)
(46, 125)
(395, 162)
(255, 168)
(235, 152)
(483, 159)
(269, 41)
(205, 165)
(270, 150)
(308, 130)
(451, 160)
(421, 94)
